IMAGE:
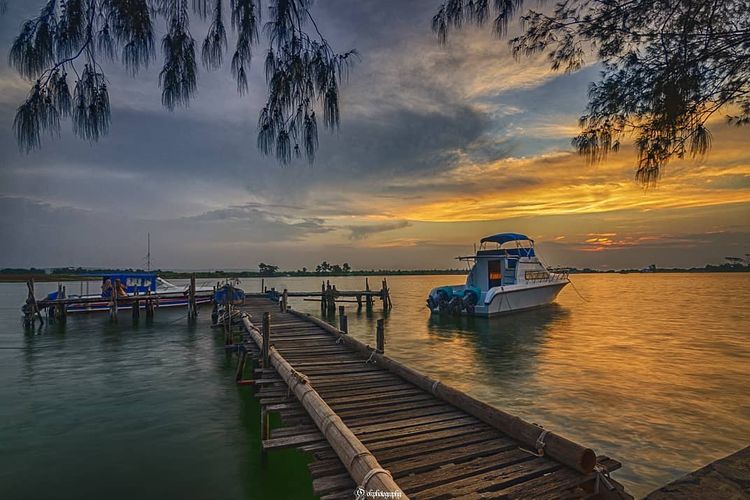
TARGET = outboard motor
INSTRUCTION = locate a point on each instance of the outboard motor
(456, 305)
(443, 301)
(470, 300)
(431, 303)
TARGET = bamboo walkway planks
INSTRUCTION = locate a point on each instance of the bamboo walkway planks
(429, 447)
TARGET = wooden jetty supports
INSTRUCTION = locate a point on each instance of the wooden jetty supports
(343, 320)
(31, 308)
(380, 337)
(192, 306)
(149, 306)
(113, 306)
(266, 339)
(540, 440)
(358, 460)
(368, 297)
(60, 311)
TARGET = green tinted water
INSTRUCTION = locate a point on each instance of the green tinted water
(92, 409)
(651, 370)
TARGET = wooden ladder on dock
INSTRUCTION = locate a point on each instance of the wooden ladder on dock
(372, 423)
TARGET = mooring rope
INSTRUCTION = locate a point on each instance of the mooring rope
(602, 476)
(540, 444)
(369, 475)
(372, 355)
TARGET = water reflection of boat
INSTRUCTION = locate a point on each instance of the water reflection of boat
(504, 279)
(134, 284)
(507, 345)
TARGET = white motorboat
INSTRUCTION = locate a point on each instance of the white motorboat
(507, 278)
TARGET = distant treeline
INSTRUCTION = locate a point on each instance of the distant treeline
(708, 268)
(74, 273)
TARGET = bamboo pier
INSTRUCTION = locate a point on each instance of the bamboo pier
(374, 425)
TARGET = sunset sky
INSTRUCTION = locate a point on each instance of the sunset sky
(438, 147)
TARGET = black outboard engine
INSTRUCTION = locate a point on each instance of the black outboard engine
(443, 301)
(431, 303)
(470, 300)
(456, 305)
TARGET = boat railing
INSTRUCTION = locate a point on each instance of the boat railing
(545, 276)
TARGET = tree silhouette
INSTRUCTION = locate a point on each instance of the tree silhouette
(267, 269)
(668, 66)
(65, 45)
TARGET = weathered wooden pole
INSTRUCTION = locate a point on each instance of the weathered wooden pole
(227, 314)
(284, 300)
(64, 307)
(113, 306)
(192, 307)
(240, 365)
(359, 301)
(262, 285)
(323, 296)
(266, 339)
(380, 337)
(332, 302)
(135, 305)
(368, 296)
(33, 306)
(149, 306)
(343, 320)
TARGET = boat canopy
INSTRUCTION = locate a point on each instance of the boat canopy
(501, 238)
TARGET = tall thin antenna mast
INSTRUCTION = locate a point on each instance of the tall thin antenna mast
(148, 254)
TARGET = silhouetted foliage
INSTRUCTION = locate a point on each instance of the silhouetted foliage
(267, 269)
(73, 38)
(668, 66)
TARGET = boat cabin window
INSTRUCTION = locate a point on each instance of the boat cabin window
(495, 273)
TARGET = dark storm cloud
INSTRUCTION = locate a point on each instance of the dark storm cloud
(361, 232)
(256, 213)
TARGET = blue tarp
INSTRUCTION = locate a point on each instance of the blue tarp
(501, 238)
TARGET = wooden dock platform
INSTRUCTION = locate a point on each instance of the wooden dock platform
(372, 423)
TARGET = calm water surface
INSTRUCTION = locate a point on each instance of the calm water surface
(649, 369)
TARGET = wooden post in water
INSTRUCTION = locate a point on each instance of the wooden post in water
(284, 300)
(359, 301)
(192, 307)
(266, 339)
(135, 306)
(265, 427)
(323, 296)
(149, 306)
(368, 297)
(262, 285)
(380, 337)
(240, 365)
(332, 302)
(64, 307)
(113, 306)
(228, 315)
(343, 320)
(29, 309)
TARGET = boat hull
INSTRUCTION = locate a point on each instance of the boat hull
(508, 299)
(514, 300)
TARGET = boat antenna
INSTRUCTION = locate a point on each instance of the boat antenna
(148, 253)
